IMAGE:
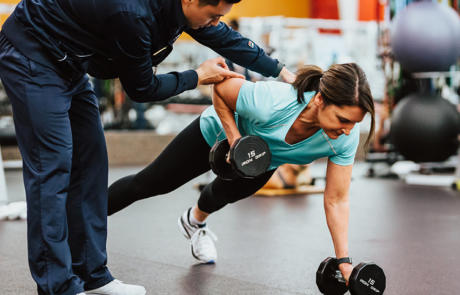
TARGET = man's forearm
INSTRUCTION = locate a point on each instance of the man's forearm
(237, 48)
(337, 214)
(157, 87)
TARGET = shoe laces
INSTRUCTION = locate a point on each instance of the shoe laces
(200, 237)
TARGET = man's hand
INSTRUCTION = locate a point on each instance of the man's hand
(214, 71)
(346, 269)
(287, 76)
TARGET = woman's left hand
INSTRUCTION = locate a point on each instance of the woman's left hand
(346, 269)
(287, 76)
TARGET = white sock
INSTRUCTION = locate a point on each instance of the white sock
(193, 220)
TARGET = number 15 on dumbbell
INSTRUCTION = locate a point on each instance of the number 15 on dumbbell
(249, 157)
(367, 278)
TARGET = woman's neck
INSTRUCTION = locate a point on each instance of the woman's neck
(304, 126)
(309, 116)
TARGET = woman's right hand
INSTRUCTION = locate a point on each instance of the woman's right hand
(346, 269)
(231, 141)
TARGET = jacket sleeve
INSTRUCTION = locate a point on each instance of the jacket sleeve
(232, 45)
(131, 40)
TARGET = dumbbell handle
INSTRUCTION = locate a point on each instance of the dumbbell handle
(339, 276)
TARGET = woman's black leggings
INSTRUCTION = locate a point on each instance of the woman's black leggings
(185, 158)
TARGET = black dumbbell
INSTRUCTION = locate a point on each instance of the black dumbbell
(249, 157)
(367, 278)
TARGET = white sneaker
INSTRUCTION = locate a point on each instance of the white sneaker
(201, 239)
(13, 211)
(117, 287)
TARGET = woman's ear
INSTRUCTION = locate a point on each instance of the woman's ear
(318, 99)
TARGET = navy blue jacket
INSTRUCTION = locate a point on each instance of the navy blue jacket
(122, 38)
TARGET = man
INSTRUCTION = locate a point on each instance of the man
(46, 49)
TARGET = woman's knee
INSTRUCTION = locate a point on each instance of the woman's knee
(219, 194)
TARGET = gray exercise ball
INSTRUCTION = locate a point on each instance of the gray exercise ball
(454, 18)
(425, 37)
(424, 128)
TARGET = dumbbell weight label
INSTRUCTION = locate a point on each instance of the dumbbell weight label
(367, 278)
(250, 156)
(370, 282)
(248, 161)
(260, 155)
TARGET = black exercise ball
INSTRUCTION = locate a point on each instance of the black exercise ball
(424, 128)
(425, 37)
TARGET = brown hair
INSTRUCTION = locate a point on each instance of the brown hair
(216, 2)
(341, 85)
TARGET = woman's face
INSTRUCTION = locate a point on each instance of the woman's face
(338, 120)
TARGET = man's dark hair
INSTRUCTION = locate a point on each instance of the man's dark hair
(216, 2)
(234, 24)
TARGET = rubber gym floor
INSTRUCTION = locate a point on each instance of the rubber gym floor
(269, 245)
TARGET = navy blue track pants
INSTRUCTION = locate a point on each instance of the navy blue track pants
(61, 140)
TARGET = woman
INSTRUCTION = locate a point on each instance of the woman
(313, 118)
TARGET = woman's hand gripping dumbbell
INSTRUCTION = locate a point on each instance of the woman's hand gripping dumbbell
(248, 157)
(367, 278)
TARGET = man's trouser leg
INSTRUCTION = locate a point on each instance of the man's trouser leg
(43, 112)
(87, 198)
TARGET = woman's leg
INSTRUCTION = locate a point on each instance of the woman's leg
(221, 192)
(213, 197)
(185, 158)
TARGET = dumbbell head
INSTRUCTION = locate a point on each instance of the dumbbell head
(329, 279)
(218, 160)
(367, 278)
(250, 156)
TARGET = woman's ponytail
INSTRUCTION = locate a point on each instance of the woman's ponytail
(308, 79)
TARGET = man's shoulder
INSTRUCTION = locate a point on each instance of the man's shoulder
(137, 8)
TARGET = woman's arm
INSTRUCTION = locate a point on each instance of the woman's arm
(336, 205)
(224, 97)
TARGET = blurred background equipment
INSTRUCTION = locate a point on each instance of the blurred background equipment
(426, 37)
(424, 128)
(418, 117)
